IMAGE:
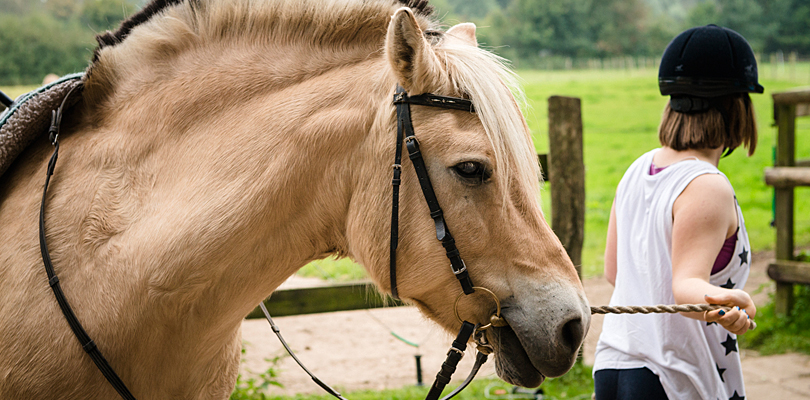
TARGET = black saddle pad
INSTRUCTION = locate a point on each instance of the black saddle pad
(30, 116)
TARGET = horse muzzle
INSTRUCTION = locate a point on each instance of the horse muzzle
(543, 335)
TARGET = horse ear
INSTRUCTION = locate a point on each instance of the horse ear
(414, 63)
(464, 32)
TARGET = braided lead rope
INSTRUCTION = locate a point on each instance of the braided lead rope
(661, 309)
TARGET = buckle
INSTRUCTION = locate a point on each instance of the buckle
(455, 350)
(460, 271)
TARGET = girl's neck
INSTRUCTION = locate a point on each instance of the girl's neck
(668, 156)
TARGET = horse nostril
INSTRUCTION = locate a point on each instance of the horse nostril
(572, 334)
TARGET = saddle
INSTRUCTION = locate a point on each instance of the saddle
(30, 116)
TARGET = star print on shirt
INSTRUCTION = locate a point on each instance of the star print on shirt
(709, 323)
(743, 257)
(736, 397)
(728, 285)
(730, 344)
(720, 371)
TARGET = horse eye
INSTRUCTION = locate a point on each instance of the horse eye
(475, 172)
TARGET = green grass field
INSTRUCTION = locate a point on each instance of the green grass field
(621, 110)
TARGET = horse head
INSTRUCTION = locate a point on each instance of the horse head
(484, 171)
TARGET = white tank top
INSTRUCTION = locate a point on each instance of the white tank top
(693, 359)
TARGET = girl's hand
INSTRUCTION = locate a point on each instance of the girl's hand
(737, 319)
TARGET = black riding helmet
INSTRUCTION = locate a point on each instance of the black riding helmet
(708, 61)
(704, 64)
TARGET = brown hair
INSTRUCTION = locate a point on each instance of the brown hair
(707, 130)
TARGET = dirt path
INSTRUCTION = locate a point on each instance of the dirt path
(355, 349)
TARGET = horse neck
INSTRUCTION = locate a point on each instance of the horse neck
(257, 168)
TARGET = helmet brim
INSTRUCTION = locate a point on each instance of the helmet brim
(706, 87)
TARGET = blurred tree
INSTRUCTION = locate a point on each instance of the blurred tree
(474, 9)
(704, 13)
(618, 27)
(38, 44)
(538, 28)
(102, 15)
(14, 6)
(789, 25)
(62, 9)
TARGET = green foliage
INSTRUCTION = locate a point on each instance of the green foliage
(254, 386)
(102, 15)
(532, 32)
(777, 334)
(334, 269)
(38, 44)
(53, 36)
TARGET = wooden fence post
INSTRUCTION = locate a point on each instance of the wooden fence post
(783, 199)
(567, 174)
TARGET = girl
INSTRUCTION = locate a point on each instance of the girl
(676, 233)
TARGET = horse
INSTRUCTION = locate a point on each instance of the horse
(218, 146)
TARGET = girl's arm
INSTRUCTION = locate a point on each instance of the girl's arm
(703, 217)
(610, 248)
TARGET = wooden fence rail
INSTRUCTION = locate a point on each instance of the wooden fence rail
(563, 168)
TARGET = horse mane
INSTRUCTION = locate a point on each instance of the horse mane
(106, 39)
(183, 23)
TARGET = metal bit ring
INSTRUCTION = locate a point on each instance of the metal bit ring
(493, 318)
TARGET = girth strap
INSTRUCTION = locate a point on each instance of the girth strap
(78, 330)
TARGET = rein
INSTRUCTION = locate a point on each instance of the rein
(87, 344)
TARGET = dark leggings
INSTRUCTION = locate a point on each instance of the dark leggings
(628, 384)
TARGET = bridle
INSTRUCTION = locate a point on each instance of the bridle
(406, 134)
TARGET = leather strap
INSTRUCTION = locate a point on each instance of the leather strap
(442, 232)
(5, 101)
(453, 357)
(315, 379)
(405, 130)
(432, 100)
(87, 344)
(480, 359)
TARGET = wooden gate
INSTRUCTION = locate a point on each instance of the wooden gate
(787, 174)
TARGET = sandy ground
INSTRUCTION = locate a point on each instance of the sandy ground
(355, 349)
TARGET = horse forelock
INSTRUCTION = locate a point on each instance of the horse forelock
(498, 103)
